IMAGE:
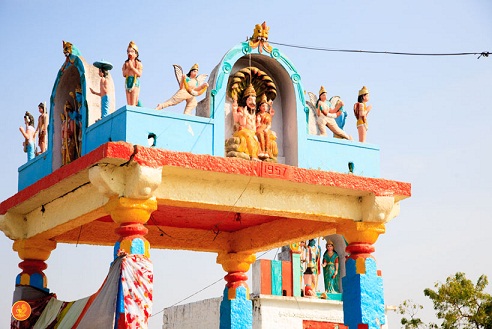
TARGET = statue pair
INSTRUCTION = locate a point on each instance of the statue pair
(311, 264)
(29, 133)
(330, 113)
(253, 137)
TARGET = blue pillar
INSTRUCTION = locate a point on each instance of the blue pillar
(236, 309)
(363, 298)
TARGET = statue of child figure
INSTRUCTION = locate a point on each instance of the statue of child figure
(361, 110)
(42, 129)
(104, 68)
(264, 116)
(132, 71)
(28, 133)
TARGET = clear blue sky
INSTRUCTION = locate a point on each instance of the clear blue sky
(431, 116)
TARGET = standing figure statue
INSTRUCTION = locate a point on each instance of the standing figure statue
(69, 128)
(190, 85)
(42, 128)
(132, 71)
(326, 113)
(330, 268)
(312, 270)
(361, 111)
(29, 134)
(104, 68)
(264, 133)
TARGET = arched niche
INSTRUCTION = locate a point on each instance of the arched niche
(290, 118)
(339, 245)
(73, 83)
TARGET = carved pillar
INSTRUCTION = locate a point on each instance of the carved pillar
(296, 270)
(33, 253)
(129, 189)
(363, 299)
(131, 202)
(236, 309)
(131, 215)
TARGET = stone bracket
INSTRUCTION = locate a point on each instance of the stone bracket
(133, 181)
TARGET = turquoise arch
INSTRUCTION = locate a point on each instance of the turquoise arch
(219, 91)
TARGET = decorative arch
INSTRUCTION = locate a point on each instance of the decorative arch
(72, 84)
(290, 107)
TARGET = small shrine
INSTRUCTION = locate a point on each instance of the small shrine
(258, 140)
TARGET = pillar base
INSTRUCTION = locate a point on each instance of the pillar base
(236, 313)
(363, 298)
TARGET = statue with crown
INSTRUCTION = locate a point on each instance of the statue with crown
(252, 92)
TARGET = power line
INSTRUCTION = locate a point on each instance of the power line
(199, 291)
(481, 54)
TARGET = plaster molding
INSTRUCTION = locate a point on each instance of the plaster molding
(133, 181)
(379, 209)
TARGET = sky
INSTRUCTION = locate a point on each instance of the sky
(431, 117)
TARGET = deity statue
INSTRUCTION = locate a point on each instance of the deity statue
(42, 128)
(190, 85)
(252, 137)
(29, 135)
(70, 148)
(104, 68)
(361, 111)
(327, 112)
(264, 133)
(312, 268)
(331, 268)
(132, 71)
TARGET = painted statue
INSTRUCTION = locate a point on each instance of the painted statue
(361, 111)
(75, 119)
(70, 148)
(42, 128)
(252, 137)
(190, 85)
(259, 39)
(264, 133)
(244, 116)
(312, 269)
(70, 52)
(29, 135)
(327, 112)
(331, 268)
(302, 257)
(132, 71)
(104, 68)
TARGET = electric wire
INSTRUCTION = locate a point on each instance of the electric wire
(480, 53)
(204, 288)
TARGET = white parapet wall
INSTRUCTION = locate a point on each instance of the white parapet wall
(289, 312)
(204, 314)
(269, 312)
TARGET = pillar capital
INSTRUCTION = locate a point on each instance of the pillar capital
(131, 215)
(362, 232)
(123, 210)
(34, 249)
(33, 253)
(236, 262)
